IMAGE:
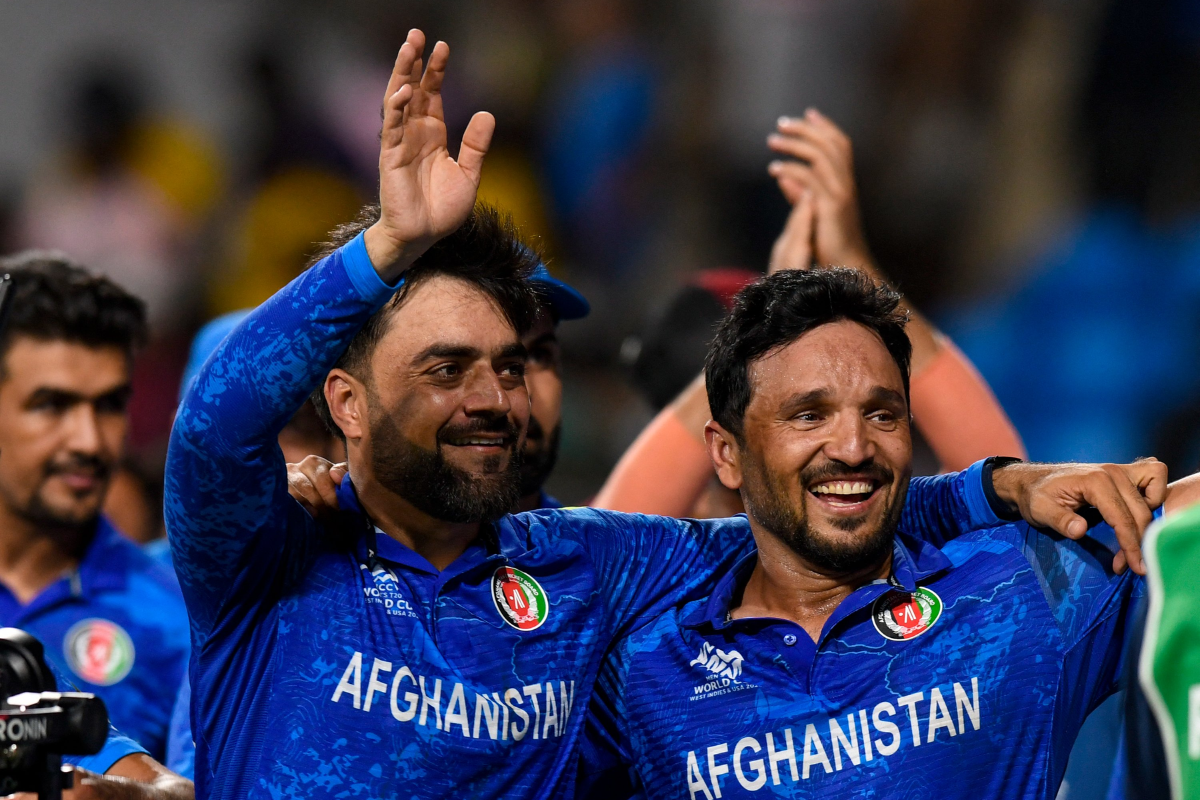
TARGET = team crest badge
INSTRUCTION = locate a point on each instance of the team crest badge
(901, 616)
(99, 651)
(520, 599)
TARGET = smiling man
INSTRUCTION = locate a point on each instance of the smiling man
(110, 618)
(857, 652)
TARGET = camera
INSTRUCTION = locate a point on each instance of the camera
(38, 723)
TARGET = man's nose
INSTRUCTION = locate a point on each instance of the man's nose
(850, 440)
(83, 430)
(486, 395)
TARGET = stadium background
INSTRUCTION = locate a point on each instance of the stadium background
(1029, 169)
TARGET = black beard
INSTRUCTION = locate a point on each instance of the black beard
(537, 464)
(44, 517)
(770, 507)
(437, 487)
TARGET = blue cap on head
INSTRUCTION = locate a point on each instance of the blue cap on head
(566, 301)
(207, 340)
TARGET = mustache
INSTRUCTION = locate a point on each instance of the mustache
(837, 469)
(501, 425)
(79, 463)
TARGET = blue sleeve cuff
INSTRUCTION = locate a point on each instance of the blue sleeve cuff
(362, 272)
(116, 747)
(981, 513)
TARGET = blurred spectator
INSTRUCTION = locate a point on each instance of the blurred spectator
(108, 615)
(601, 107)
(129, 193)
(299, 184)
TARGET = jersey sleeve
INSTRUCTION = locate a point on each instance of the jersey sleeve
(234, 530)
(942, 507)
(643, 565)
(116, 747)
(1092, 605)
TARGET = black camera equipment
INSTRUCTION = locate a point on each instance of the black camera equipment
(39, 724)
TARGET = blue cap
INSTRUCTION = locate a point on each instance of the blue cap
(567, 302)
(207, 340)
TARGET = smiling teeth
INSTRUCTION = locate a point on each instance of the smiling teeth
(844, 487)
(485, 442)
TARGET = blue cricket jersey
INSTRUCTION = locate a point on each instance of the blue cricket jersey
(181, 747)
(116, 746)
(117, 627)
(334, 661)
(967, 676)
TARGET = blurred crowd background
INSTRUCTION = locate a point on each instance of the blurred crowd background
(1029, 171)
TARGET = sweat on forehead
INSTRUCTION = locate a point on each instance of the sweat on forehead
(778, 310)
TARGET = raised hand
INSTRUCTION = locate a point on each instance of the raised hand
(824, 167)
(424, 194)
(794, 247)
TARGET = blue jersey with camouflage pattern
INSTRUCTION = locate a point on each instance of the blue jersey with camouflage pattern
(966, 676)
(118, 628)
(333, 661)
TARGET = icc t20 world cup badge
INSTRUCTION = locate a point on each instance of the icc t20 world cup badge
(520, 599)
(901, 616)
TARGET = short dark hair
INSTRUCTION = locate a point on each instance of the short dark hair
(486, 251)
(781, 308)
(55, 299)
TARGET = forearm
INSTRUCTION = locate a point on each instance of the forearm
(957, 413)
(110, 787)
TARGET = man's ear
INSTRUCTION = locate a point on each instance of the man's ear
(347, 400)
(725, 453)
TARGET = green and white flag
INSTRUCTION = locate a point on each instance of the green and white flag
(1169, 668)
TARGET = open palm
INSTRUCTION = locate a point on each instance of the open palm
(424, 194)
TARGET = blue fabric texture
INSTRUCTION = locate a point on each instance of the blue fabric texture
(181, 748)
(117, 626)
(984, 701)
(330, 660)
(116, 746)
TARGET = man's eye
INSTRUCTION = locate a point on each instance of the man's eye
(112, 405)
(515, 370)
(883, 416)
(807, 416)
(448, 371)
(54, 405)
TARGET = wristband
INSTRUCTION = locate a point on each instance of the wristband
(1004, 510)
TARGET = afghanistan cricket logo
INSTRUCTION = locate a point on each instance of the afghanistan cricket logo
(99, 651)
(520, 600)
(901, 616)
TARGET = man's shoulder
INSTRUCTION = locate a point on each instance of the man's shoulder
(117, 554)
(587, 519)
(118, 572)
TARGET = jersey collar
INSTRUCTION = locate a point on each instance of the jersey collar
(913, 562)
(499, 538)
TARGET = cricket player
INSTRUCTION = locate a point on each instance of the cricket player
(855, 654)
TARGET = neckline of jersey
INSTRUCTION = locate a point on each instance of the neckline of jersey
(913, 562)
